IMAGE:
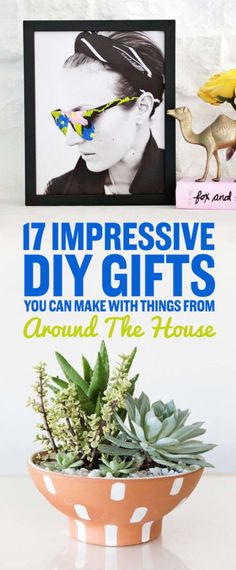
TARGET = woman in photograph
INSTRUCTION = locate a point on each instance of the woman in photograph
(114, 82)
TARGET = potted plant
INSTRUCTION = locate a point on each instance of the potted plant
(112, 463)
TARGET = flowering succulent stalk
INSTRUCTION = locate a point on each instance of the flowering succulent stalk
(40, 406)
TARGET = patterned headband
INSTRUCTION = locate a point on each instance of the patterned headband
(124, 59)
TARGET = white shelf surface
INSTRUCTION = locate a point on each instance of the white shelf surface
(197, 535)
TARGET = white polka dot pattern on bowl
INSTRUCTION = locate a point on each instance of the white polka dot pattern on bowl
(177, 485)
(118, 491)
(82, 512)
(49, 484)
(138, 514)
(146, 529)
(111, 534)
(81, 531)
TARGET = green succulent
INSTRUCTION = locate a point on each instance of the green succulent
(77, 412)
(118, 466)
(93, 384)
(82, 421)
(158, 431)
(63, 461)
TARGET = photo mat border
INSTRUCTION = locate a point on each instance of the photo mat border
(31, 197)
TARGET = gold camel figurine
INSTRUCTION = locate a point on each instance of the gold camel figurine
(220, 134)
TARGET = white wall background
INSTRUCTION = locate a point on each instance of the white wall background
(199, 374)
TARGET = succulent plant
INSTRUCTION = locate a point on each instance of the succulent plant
(93, 384)
(82, 422)
(63, 461)
(119, 467)
(77, 412)
(158, 431)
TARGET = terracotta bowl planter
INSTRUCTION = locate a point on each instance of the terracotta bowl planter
(113, 512)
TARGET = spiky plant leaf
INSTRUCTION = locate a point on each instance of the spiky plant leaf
(168, 426)
(61, 383)
(192, 447)
(139, 431)
(144, 405)
(190, 431)
(152, 426)
(71, 374)
(133, 382)
(99, 379)
(124, 428)
(87, 370)
(136, 416)
(131, 409)
(105, 358)
(123, 443)
(181, 417)
(158, 409)
(173, 464)
(54, 389)
(169, 408)
(129, 402)
(73, 377)
(165, 443)
(129, 360)
(160, 459)
(98, 404)
(114, 450)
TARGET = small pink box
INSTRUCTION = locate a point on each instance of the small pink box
(207, 195)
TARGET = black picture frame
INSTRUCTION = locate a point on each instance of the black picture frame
(31, 196)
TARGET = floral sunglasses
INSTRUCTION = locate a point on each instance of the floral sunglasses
(82, 121)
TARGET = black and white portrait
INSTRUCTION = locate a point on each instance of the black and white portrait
(100, 114)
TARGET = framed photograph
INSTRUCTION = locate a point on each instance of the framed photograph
(96, 128)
